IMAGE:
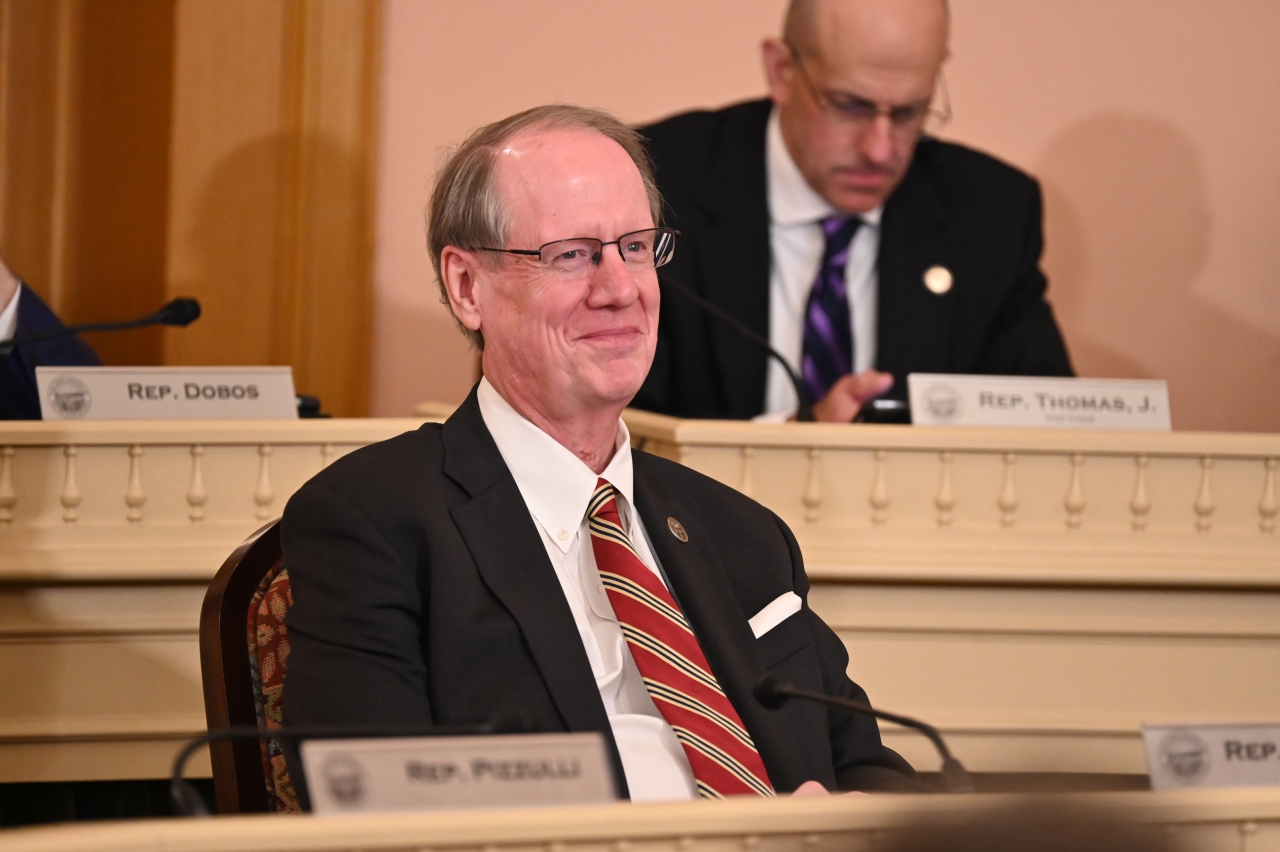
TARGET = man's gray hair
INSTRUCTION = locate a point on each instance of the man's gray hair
(466, 208)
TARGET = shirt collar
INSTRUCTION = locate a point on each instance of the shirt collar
(791, 200)
(556, 485)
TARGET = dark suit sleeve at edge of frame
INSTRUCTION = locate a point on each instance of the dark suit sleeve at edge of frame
(350, 585)
(1027, 339)
(861, 760)
(19, 395)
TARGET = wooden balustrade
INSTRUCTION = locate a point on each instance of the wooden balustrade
(1037, 594)
(109, 533)
(1121, 506)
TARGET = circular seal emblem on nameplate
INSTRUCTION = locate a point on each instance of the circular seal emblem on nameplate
(70, 397)
(938, 280)
(944, 402)
(677, 529)
(344, 777)
(1185, 757)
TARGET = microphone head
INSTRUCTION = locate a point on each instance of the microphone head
(179, 312)
(772, 692)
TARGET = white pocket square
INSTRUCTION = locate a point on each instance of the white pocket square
(782, 608)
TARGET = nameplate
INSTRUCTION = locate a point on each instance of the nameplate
(166, 393)
(436, 773)
(1181, 756)
(954, 400)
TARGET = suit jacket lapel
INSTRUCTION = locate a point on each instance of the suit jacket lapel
(701, 586)
(733, 257)
(510, 556)
(914, 324)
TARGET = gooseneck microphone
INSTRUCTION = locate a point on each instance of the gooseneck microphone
(804, 413)
(180, 311)
(188, 802)
(773, 692)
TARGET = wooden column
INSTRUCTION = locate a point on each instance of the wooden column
(221, 149)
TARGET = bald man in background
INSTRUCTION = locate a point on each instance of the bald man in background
(829, 222)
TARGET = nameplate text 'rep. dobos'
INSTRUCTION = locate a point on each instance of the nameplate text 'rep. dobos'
(435, 773)
(166, 393)
(1054, 403)
(1180, 756)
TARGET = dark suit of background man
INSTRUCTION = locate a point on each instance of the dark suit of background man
(480, 567)
(22, 313)
(941, 273)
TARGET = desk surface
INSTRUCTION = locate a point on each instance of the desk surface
(1212, 819)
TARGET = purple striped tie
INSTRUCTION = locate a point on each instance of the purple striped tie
(828, 337)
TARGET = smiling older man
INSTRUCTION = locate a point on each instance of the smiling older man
(521, 557)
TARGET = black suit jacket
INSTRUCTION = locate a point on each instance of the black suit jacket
(955, 208)
(423, 595)
(19, 397)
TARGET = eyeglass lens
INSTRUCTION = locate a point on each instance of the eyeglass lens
(908, 118)
(856, 109)
(649, 248)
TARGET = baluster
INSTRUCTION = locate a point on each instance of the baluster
(262, 494)
(879, 498)
(745, 483)
(326, 455)
(1008, 501)
(1268, 508)
(134, 496)
(812, 490)
(8, 497)
(946, 499)
(1204, 504)
(1075, 494)
(70, 497)
(197, 496)
(1140, 505)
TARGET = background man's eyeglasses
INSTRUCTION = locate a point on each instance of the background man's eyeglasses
(647, 249)
(907, 119)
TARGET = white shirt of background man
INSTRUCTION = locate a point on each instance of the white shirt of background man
(795, 250)
(9, 316)
(556, 487)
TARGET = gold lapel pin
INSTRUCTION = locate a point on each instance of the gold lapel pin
(937, 279)
(677, 529)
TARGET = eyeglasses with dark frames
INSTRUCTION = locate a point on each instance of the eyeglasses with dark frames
(647, 249)
(906, 120)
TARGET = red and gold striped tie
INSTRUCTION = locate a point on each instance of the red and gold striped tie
(675, 671)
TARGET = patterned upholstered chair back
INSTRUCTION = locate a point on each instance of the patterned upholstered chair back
(268, 643)
(244, 651)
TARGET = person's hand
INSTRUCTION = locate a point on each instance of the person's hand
(8, 285)
(847, 395)
(810, 790)
(814, 790)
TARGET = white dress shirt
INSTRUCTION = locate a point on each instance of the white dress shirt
(796, 243)
(557, 486)
(9, 316)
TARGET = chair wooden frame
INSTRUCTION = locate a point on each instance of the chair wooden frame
(238, 779)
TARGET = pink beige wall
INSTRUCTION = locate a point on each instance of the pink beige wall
(1151, 123)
